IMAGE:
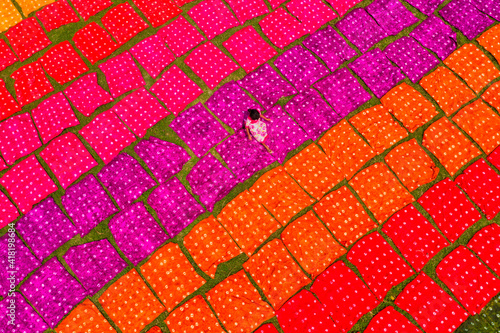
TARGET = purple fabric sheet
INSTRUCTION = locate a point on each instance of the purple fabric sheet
(211, 180)
(163, 158)
(244, 157)
(300, 67)
(284, 134)
(125, 179)
(136, 232)
(198, 129)
(489, 7)
(266, 86)
(437, 36)
(344, 93)
(94, 264)
(466, 17)
(53, 291)
(411, 57)
(377, 72)
(425, 6)
(87, 204)
(175, 206)
(361, 29)
(230, 104)
(27, 320)
(330, 47)
(391, 15)
(45, 228)
(26, 262)
(312, 113)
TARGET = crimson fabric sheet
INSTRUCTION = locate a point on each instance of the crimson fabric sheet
(88, 8)
(63, 63)
(7, 56)
(27, 38)
(213, 17)
(281, 28)
(494, 158)
(390, 320)
(57, 14)
(180, 36)
(247, 9)
(312, 13)
(158, 12)
(8, 105)
(122, 74)
(30, 83)
(486, 244)
(94, 42)
(87, 95)
(123, 23)
(153, 55)
(18, 137)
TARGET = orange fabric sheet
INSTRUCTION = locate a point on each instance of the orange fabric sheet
(130, 304)
(490, 40)
(449, 92)
(210, 245)
(409, 106)
(276, 273)
(238, 304)
(29, 6)
(85, 318)
(346, 150)
(9, 16)
(380, 191)
(492, 95)
(311, 244)
(312, 169)
(379, 129)
(449, 145)
(481, 123)
(193, 316)
(473, 66)
(280, 194)
(171, 275)
(344, 216)
(248, 223)
(155, 329)
(412, 165)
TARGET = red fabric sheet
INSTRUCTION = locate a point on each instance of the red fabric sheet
(57, 14)
(123, 23)
(18, 137)
(63, 63)
(248, 9)
(486, 244)
(7, 56)
(158, 12)
(8, 213)
(94, 42)
(122, 74)
(281, 28)
(27, 38)
(389, 320)
(213, 17)
(494, 158)
(153, 55)
(88, 8)
(312, 13)
(482, 185)
(180, 36)
(8, 105)
(31, 83)
(87, 95)
(449, 208)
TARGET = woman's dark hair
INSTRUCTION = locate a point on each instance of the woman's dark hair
(254, 114)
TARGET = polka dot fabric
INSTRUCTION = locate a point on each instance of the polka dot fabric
(268, 328)
(425, 6)
(312, 13)
(449, 145)
(28, 320)
(136, 232)
(210, 64)
(336, 287)
(155, 329)
(280, 194)
(130, 304)
(20, 182)
(275, 3)
(94, 42)
(56, 15)
(247, 10)
(213, 17)
(409, 106)
(466, 17)
(27, 38)
(490, 40)
(489, 7)
(153, 55)
(125, 179)
(378, 128)
(87, 204)
(29, 6)
(53, 116)
(9, 15)
(281, 28)
(344, 216)
(436, 35)
(492, 95)
(8, 105)
(391, 15)
(30, 83)
(346, 150)
(412, 165)
(193, 314)
(171, 275)
(311, 244)
(87, 261)
(18, 137)
(180, 36)
(8, 212)
(123, 23)
(485, 244)
(85, 318)
(210, 245)
(238, 304)
(88, 8)
(87, 95)
(176, 90)
(342, 6)
(7, 57)
(107, 135)
(248, 223)
(482, 185)
(390, 320)
(249, 49)
(158, 12)
(53, 291)
(68, 158)
(62, 63)
(449, 208)
(473, 66)
(122, 74)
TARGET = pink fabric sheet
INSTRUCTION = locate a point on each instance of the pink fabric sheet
(87, 95)
(213, 17)
(153, 55)
(122, 74)
(18, 137)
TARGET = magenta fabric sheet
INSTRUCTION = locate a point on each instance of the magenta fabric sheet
(180, 36)
(198, 129)
(436, 35)
(136, 232)
(266, 86)
(312, 13)
(122, 74)
(87, 95)
(125, 179)
(300, 67)
(210, 180)
(87, 204)
(18, 137)
(176, 208)
(87, 262)
(213, 17)
(391, 15)
(489, 7)
(53, 291)
(27, 320)
(425, 6)
(344, 93)
(153, 55)
(163, 158)
(377, 72)
(466, 17)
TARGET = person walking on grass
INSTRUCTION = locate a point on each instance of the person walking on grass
(256, 127)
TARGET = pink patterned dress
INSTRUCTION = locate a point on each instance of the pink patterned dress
(257, 128)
